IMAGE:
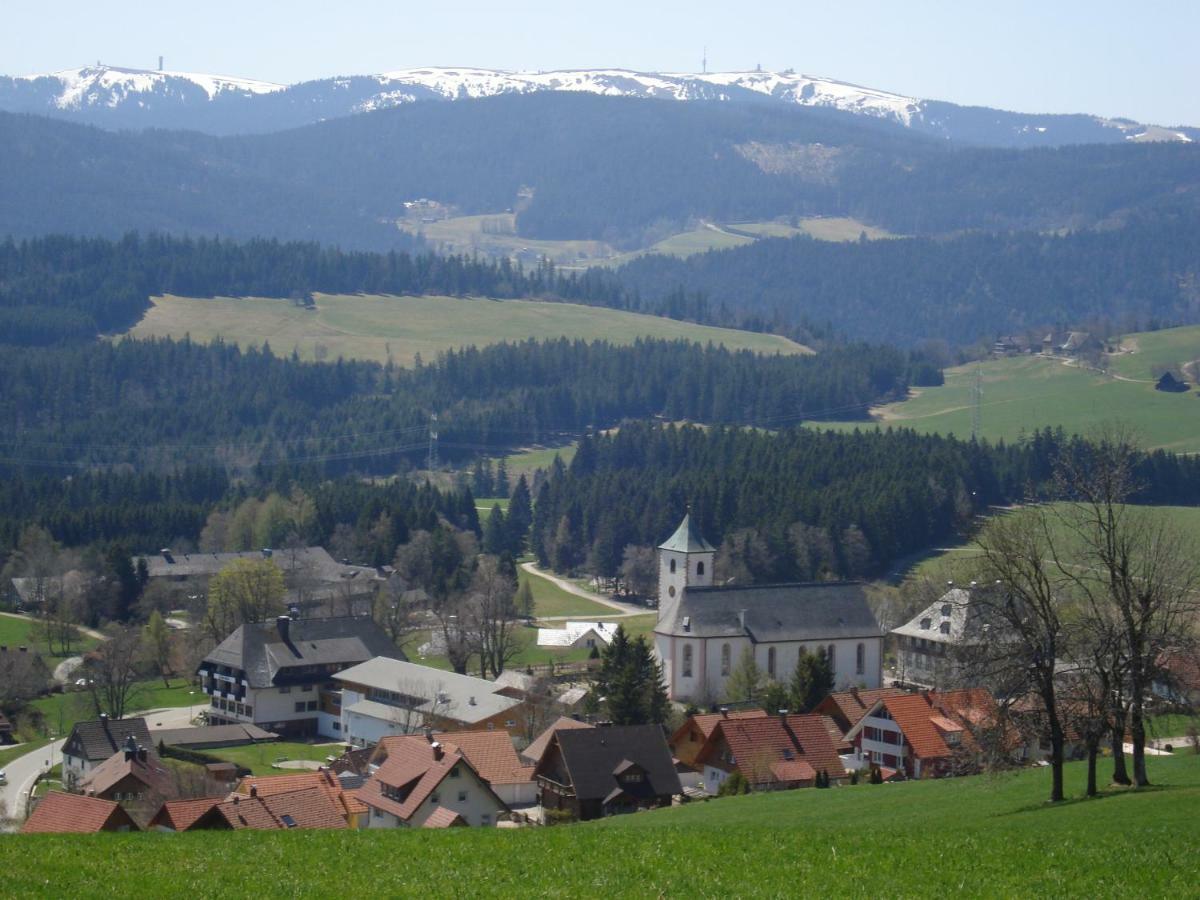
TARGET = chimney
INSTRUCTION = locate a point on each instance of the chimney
(783, 713)
(429, 734)
(254, 790)
(104, 720)
(131, 748)
(438, 753)
(166, 555)
(854, 692)
(470, 701)
(142, 754)
(23, 649)
(742, 619)
(266, 552)
(724, 711)
(236, 798)
(282, 624)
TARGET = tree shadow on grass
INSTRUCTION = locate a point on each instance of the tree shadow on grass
(1105, 794)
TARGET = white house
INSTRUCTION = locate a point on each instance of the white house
(933, 648)
(578, 635)
(703, 629)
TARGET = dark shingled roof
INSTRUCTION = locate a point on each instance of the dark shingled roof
(260, 651)
(593, 757)
(98, 739)
(213, 736)
(687, 539)
(773, 612)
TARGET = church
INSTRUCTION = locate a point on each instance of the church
(703, 629)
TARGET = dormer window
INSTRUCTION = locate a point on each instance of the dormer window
(946, 609)
(672, 567)
(945, 628)
(925, 623)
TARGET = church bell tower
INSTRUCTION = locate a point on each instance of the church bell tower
(685, 559)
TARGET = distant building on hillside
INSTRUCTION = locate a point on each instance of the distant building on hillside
(702, 628)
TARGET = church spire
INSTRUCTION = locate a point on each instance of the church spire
(687, 538)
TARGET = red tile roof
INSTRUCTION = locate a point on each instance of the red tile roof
(110, 773)
(490, 754)
(761, 743)
(180, 815)
(408, 775)
(307, 808)
(75, 814)
(849, 707)
(444, 818)
(324, 780)
(914, 715)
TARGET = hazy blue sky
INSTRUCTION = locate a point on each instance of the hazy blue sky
(1134, 59)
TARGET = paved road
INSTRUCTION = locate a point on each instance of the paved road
(622, 609)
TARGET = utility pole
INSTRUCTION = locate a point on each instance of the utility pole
(432, 461)
(977, 403)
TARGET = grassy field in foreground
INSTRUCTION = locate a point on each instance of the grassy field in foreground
(398, 328)
(967, 836)
(1024, 394)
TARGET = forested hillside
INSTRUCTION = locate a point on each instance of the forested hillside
(1145, 274)
(572, 166)
(159, 404)
(801, 504)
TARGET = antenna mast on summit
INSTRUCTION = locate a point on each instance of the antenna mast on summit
(704, 62)
(432, 461)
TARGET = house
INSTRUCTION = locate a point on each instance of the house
(490, 754)
(1079, 343)
(771, 751)
(304, 808)
(578, 635)
(189, 815)
(91, 743)
(208, 737)
(532, 754)
(924, 735)
(593, 772)
(420, 775)
(702, 629)
(1178, 679)
(59, 813)
(343, 799)
(384, 696)
(689, 737)
(845, 708)
(1010, 344)
(316, 581)
(132, 775)
(934, 647)
(279, 675)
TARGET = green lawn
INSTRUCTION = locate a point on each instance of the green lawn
(8, 754)
(260, 759)
(1027, 393)
(551, 600)
(984, 836)
(822, 228)
(62, 711)
(494, 234)
(1153, 350)
(529, 461)
(398, 328)
(20, 633)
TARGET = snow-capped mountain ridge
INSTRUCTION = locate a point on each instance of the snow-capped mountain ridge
(112, 96)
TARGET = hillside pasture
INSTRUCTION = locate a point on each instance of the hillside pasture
(383, 328)
(1147, 354)
(1024, 394)
(975, 836)
(823, 228)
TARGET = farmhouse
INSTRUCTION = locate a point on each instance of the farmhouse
(131, 775)
(703, 629)
(578, 635)
(772, 752)
(279, 675)
(689, 737)
(594, 772)
(933, 648)
(91, 743)
(845, 708)
(418, 776)
(924, 735)
(533, 753)
(385, 696)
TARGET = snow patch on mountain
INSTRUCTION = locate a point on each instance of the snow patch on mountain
(112, 86)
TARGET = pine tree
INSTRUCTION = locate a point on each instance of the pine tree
(775, 698)
(746, 680)
(500, 482)
(495, 533)
(520, 516)
(524, 599)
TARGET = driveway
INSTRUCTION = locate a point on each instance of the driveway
(620, 609)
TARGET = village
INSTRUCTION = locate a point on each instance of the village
(653, 723)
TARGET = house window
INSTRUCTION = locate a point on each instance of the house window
(699, 568)
(287, 689)
(435, 799)
(687, 660)
(945, 609)
(249, 710)
(725, 653)
(305, 688)
(832, 659)
(771, 662)
(860, 659)
(485, 819)
(454, 773)
(925, 623)
(300, 706)
(672, 567)
(462, 796)
(945, 628)
(312, 705)
(337, 726)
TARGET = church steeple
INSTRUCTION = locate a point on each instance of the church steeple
(685, 559)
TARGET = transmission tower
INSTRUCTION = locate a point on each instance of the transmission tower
(704, 62)
(432, 462)
(977, 403)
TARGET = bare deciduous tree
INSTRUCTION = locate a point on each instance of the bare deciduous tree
(112, 671)
(492, 616)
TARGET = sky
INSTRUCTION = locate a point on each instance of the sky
(1115, 59)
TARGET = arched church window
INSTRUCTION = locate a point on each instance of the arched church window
(771, 661)
(687, 660)
(860, 659)
(672, 567)
(725, 655)
(699, 568)
(832, 659)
